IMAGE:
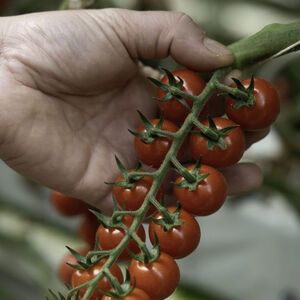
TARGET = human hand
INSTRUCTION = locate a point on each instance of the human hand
(71, 86)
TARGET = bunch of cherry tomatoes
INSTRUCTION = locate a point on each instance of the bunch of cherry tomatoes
(200, 188)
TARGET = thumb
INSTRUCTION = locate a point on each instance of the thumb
(156, 35)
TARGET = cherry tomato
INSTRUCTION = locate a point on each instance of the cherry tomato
(173, 110)
(217, 157)
(209, 195)
(109, 238)
(264, 111)
(158, 279)
(153, 154)
(132, 198)
(136, 294)
(65, 272)
(80, 277)
(67, 206)
(88, 228)
(181, 240)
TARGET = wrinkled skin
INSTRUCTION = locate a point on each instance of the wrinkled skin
(71, 85)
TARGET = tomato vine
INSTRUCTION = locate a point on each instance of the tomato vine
(247, 52)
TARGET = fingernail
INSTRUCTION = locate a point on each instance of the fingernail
(216, 48)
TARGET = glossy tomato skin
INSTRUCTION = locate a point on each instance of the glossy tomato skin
(88, 228)
(218, 157)
(67, 206)
(109, 238)
(132, 198)
(209, 196)
(136, 294)
(173, 110)
(65, 272)
(263, 113)
(154, 153)
(181, 240)
(158, 279)
(80, 277)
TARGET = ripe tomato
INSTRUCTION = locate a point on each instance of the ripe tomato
(88, 228)
(67, 206)
(153, 154)
(158, 279)
(80, 277)
(65, 272)
(264, 111)
(132, 198)
(136, 294)
(217, 157)
(173, 110)
(181, 240)
(209, 195)
(109, 238)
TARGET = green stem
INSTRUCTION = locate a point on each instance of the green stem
(233, 91)
(266, 43)
(165, 213)
(207, 131)
(183, 171)
(141, 244)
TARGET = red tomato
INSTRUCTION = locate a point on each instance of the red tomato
(81, 277)
(181, 240)
(154, 153)
(132, 198)
(67, 206)
(136, 294)
(65, 272)
(209, 195)
(88, 228)
(158, 279)
(173, 110)
(110, 238)
(264, 111)
(217, 157)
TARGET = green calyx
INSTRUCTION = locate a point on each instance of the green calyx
(215, 137)
(149, 256)
(172, 221)
(123, 289)
(129, 181)
(151, 132)
(197, 176)
(172, 90)
(245, 96)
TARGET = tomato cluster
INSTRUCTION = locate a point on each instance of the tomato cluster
(200, 188)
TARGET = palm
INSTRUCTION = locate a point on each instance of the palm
(75, 115)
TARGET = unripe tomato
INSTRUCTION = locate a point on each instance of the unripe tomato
(67, 206)
(217, 157)
(209, 195)
(88, 228)
(181, 240)
(80, 277)
(173, 110)
(132, 198)
(136, 294)
(110, 238)
(154, 153)
(158, 279)
(264, 111)
(65, 272)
